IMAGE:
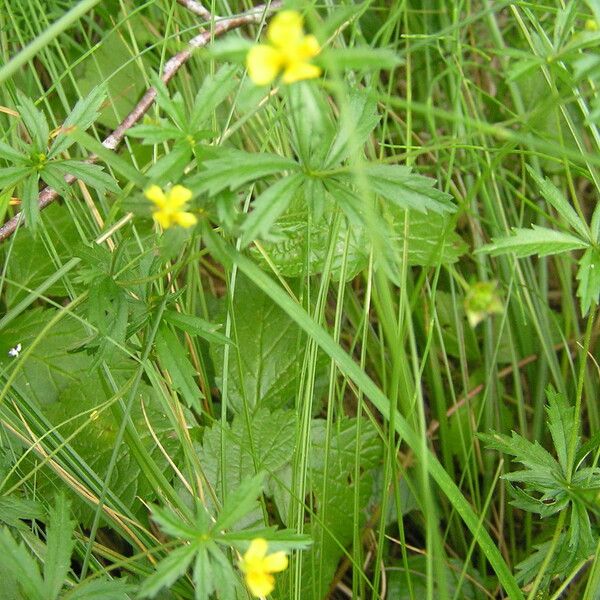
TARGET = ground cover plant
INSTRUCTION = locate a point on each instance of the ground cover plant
(299, 300)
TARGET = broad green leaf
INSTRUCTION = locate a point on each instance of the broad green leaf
(11, 154)
(93, 175)
(19, 567)
(35, 122)
(234, 168)
(195, 326)
(269, 206)
(174, 360)
(84, 114)
(240, 502)
(302, 242)
(555, 198)
(537, 240)
(59, 546)
(168, 571)
(588, 275)
(266, 361)
(432, 239)
(357, 121)
(561, 421)
(400, 186)
(333, 485)
(264, 443)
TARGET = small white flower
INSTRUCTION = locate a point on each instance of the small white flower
(14, 352)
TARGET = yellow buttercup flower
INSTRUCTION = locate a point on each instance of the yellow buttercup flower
(170, 207)
(289, 50)
(257, 567)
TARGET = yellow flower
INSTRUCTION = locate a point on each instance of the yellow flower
(289, 51)
(257, 567)
(169, 207)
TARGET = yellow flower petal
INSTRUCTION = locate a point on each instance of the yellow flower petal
(185, 219)
(278, 561)
(260, 583)
(178, 196)
(163, 218)
(263, 63)
(156, 195)
(300, 70)
(285, 29)
(308, 47)
(256, 551)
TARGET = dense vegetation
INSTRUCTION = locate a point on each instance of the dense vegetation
(299, 300)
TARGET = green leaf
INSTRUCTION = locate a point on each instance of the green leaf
(54, 177)
(10, 176)
(11, 154)
(155, 133)
(537, 240)
(269, 206)
(588, 275)
(170, 167)
(561, 421)
(14, 510)
(168, 571)
(554, 197)
(204, 582)
(173, 525)
(59, 546)
(31, 208)
(265, 443)
(102, 589)
(240, 502)
(234, 168)
(173, 359)
(173, 106)
(357, 122)
(400, 186)
(222, 573)
(83, 115)
(265, 364)
(19, 566)
(195, 326)
(214, 90)
(35, 122)
(92, 175)
(532, 455)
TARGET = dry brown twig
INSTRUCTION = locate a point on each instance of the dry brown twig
(221, 26)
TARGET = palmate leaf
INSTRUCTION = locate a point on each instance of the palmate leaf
(540, 241)
(151, 133)
(10, 176)
(11, 154)
(240, 502)
(173, 524)
(214, 90)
